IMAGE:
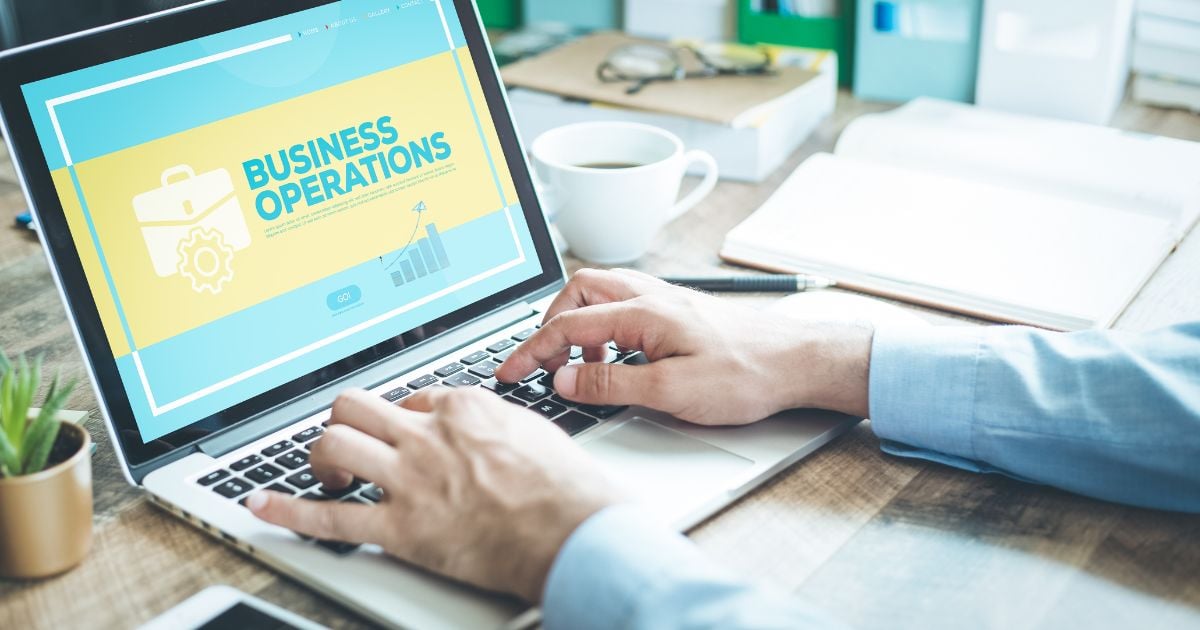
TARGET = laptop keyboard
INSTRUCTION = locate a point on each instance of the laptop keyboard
(283, 466)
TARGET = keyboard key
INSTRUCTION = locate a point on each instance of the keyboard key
(576, 352)
(510, 399)
(603, 412)
(396, 394)
(547, 381)
(304, 479)
(448, 370)
(212, 477)
(637, 358)
(246, 462)
(524, 334)
(293, 460)
(462, 379)
(563, 401)
(278, 487)
(474, 357)
(277, 449)
(340, 548)
(548, 408)
(264, 474)
(311, 444)
(337, 494)
(311, 433)
(503, 356)
(484, 370)
(531, 393)
(501, 346)
(316, 496)
(424, 381)
(232, 488)
(498, 387)
(373, 493)
(574, 423)
(533, 377)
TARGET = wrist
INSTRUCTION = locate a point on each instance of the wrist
(546, 541)
(828, 367)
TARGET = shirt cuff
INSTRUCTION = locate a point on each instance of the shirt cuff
(610, 564)
(922, 387)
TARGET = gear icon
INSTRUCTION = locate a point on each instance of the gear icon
(206, 260)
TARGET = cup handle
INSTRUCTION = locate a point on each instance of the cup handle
(547, 197)
(706, 185)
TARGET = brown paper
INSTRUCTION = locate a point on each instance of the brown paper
(570, 71)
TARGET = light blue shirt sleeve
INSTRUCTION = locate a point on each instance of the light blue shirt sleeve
(1107, 414)
(622, 569)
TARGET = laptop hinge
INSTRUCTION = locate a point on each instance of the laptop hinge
(321, 399)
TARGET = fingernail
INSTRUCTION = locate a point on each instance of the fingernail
(564, 381)
(257, 501)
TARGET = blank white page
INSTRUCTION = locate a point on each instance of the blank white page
(1100, 165)
(1007, 250)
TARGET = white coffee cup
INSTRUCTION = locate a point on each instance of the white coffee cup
(611, 186)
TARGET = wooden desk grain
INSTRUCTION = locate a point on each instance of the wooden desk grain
(880, 541)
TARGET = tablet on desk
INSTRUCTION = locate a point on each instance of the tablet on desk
(226, 608)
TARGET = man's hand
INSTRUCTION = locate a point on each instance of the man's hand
(475, 488)
(712, 362)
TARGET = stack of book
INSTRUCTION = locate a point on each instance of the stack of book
(1166, 53)
(750, 124)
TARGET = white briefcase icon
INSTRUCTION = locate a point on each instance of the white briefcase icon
(192, 225)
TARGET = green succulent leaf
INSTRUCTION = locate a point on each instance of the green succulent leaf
(10, 463)
(9, 422)
(25, 444)
(44, 429)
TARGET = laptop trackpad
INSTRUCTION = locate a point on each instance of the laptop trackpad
(671, 472)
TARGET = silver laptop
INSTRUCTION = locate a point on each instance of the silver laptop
(251, 206)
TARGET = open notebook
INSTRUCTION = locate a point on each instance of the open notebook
(1000, 216)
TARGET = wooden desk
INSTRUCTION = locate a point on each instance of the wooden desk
(881, 541)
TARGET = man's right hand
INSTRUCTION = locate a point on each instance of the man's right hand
(711, 361)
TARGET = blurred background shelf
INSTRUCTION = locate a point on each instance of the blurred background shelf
(757, 25)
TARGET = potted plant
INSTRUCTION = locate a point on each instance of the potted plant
(45, 477)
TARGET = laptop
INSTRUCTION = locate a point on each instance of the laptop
(250, 206)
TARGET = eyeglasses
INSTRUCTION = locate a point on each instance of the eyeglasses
(643, 64)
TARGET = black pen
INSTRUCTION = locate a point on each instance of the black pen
(755, 284)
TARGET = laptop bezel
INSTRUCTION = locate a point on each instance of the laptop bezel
(32, 63)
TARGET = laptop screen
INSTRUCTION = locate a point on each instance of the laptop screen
(251, 206)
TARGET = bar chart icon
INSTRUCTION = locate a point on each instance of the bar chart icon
(428, 255)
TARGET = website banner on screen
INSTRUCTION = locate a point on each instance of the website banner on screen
(254, 205)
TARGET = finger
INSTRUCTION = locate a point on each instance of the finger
(345, 452)
(595, 354)
(614, 384)
(326, 520)
(644, 279)
(369, 414)
(427, 400)
(624, 322)
(591, 287)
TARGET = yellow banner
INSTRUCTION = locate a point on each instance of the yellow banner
(205, 223)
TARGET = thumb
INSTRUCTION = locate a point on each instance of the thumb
(327, 520)
(612, 384)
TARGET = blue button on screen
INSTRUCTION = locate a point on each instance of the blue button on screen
(343, 298)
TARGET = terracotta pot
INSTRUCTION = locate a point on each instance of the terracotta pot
(46, 517)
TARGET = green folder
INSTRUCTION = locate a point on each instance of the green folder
(500, 13)
(834, 33)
